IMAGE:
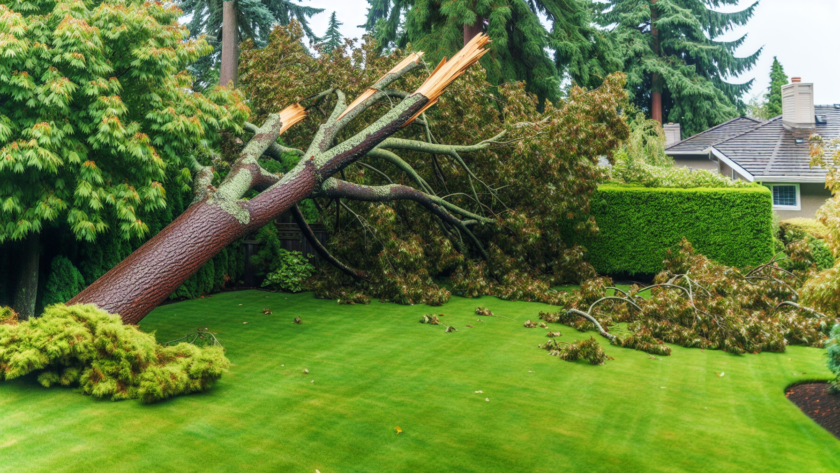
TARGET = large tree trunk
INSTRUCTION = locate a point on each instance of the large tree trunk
(656, 103)
(471, 30)
(656, 91)
(230, 46)
(149, 275)
(26, 292)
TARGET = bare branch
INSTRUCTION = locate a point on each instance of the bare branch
(365, 165)
(274, 150)
(588, 317)
(313, 240)
(401, 165)
(434, 148)
(246, 173)
(801, 307)
(336, 188)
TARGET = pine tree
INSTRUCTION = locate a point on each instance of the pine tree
(519, 40)
(254, 20)
(675, 64)
(778, 78)
(332, 38)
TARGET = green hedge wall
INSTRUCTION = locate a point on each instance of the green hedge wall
(733, 226)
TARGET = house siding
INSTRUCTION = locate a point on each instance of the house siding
(701, 161)
(811, 196)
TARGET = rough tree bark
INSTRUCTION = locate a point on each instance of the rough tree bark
(656, 90)
(26, 292)
(230, 48)
(218, 216)
(470, 31)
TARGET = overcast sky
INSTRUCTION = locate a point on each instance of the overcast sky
(803, 34)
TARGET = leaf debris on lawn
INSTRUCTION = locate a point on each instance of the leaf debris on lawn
(398, 429)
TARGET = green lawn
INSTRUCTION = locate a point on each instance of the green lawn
(375, 367)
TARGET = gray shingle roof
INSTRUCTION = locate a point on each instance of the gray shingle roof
(702, 141)
(770, 151)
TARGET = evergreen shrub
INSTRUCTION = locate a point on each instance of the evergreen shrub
(833, 352)
(63, 282)
(291, 270)
(637, 226)
(82, 345)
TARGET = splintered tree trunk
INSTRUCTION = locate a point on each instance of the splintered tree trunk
(26, 292)
(149, 275)
(471, 30)
(230, 48)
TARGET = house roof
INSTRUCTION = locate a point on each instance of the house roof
(700, 143)
(769, 152)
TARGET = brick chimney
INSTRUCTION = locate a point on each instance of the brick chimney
(798, 105)
(672, 134)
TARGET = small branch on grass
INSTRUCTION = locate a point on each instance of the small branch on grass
(588, 317)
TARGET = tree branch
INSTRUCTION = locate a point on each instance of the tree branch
(335, 188)
(401, 165)
(246, 173)
(274, 150)
(321, 249)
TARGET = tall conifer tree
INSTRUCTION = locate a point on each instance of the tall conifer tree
(677, 67)
(778, 78)
(254, 19)
(520, 42)
(332, 38)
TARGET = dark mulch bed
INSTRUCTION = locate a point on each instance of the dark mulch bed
(818, 403)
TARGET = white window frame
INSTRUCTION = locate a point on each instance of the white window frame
(798, 205)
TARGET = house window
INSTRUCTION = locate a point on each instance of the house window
(785, 196)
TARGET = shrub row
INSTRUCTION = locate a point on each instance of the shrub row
(638, 225)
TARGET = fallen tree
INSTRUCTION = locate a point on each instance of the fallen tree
(219, 214)
(536, 181)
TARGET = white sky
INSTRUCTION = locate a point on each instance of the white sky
(803, 34)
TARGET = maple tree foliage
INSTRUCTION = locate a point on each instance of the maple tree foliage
(533, 182)
(95, 115)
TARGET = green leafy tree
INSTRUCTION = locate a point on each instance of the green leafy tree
(254, 19)
(676, 67)
(778, 78)
(332, 38)
(94, 112)
(521, 44)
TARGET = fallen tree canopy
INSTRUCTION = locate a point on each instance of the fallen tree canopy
(531, 172)
(83, 346)
(698, 303)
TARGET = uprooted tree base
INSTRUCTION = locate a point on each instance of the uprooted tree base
(698, 303)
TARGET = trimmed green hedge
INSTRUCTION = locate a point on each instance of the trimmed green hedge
(733, 226)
